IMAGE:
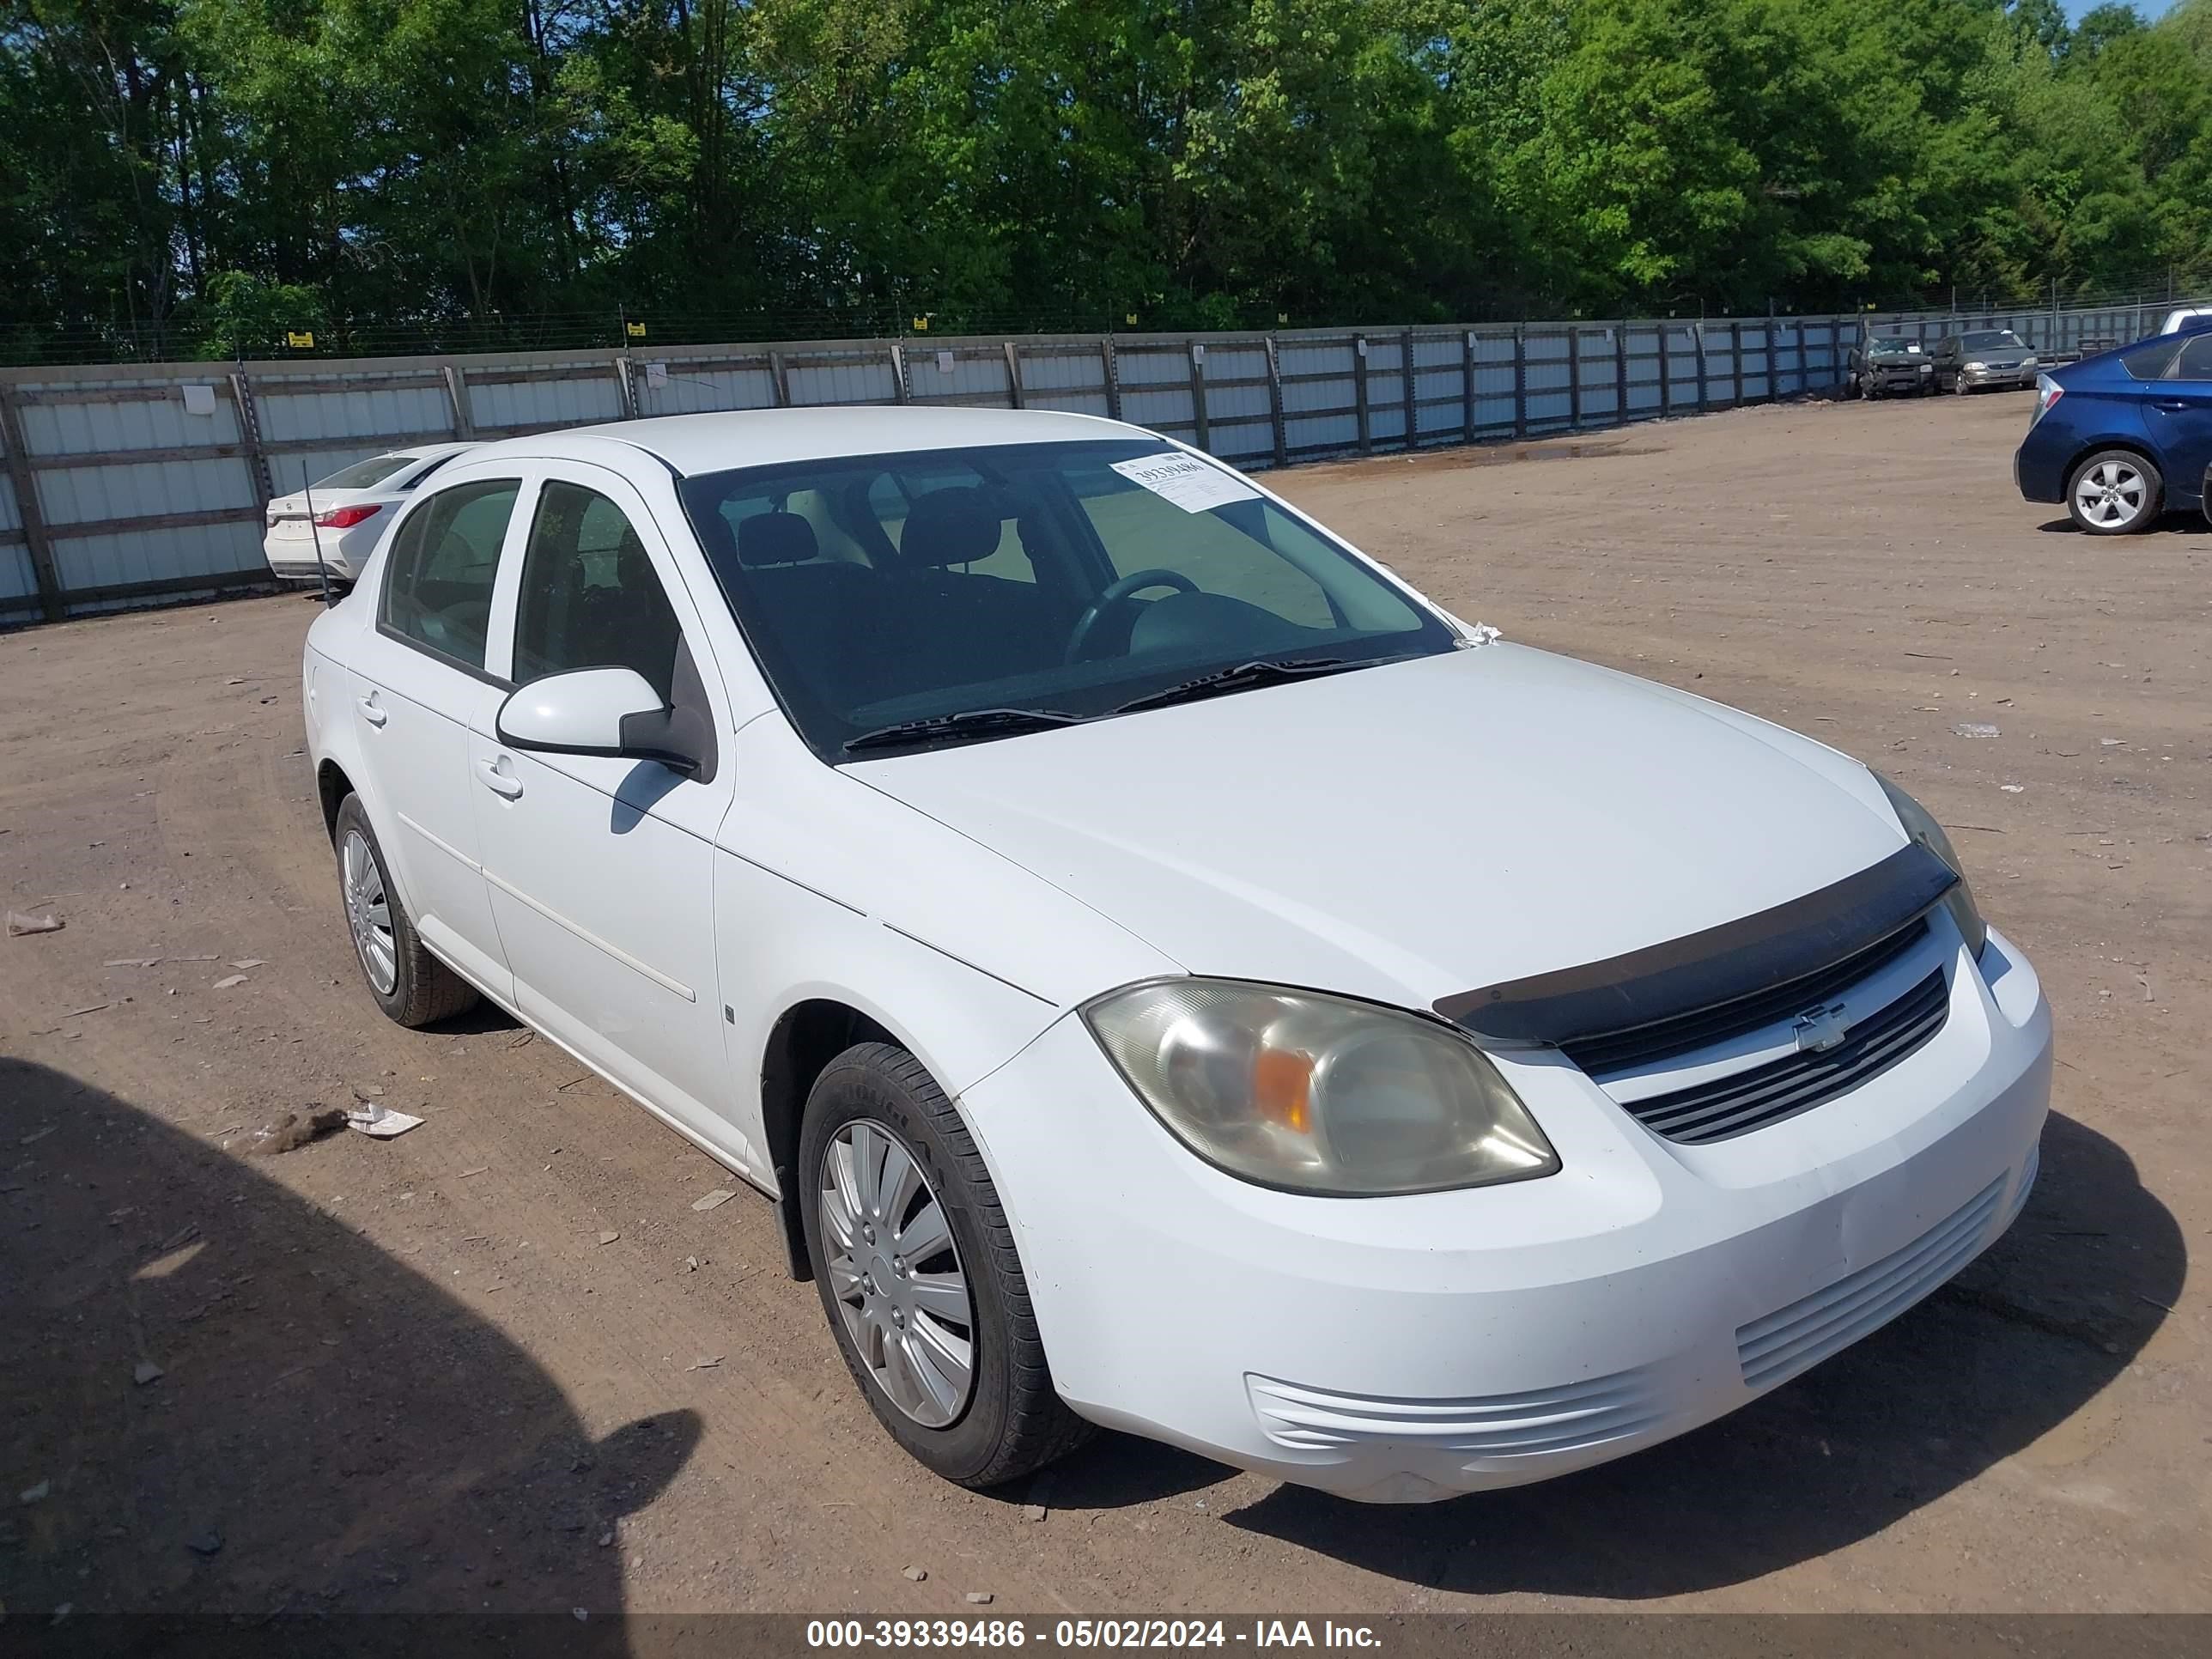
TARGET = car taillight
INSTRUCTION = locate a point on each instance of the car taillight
(2048, 391)
(345, 518)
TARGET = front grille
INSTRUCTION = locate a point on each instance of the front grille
(1796, 1338)
(1743, 1101)
(1574, 1417)
(1639, 1047)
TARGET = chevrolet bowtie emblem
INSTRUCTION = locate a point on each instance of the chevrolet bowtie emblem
(1819, 1030)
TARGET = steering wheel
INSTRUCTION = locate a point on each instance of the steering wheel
(1117, 594)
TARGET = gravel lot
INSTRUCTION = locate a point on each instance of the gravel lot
(421, 1375)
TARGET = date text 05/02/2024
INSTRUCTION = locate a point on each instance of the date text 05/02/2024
(1263, 1633)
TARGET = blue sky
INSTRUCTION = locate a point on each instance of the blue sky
(2152, 10)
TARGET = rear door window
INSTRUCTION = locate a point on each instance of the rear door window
(2195, 363)
(444, 559)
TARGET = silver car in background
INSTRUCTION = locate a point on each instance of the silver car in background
(1984, 359)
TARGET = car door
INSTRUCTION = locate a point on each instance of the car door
(600, 870)
(1948, 359)
(420, 682)
(2179, 416)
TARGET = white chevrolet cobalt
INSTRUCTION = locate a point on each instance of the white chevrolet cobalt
(1168, 973)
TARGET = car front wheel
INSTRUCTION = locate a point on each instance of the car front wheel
(2114, 492)
(915, 1261)
(408, 983)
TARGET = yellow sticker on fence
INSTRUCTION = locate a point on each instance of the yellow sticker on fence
(303, 339)
(635, 331)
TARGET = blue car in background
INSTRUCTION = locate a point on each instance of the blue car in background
(2123, 435)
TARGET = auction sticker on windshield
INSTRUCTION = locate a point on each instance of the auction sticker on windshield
(1187, 482)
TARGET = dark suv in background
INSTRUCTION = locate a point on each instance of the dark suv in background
(1884, 363)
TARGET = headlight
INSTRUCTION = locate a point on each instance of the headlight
(1924, 829)
(2027, 362)
(1927, 368)
(1976, 367)
(1315, 1093)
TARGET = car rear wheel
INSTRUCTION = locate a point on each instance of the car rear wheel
(2114, 492)
(915, 1261)
(409, 984)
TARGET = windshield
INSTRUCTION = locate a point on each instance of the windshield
(1994, 340)
(1066, 579)
(366, 475)
(1893, 342)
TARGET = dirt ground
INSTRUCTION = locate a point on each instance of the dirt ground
(503, 1362)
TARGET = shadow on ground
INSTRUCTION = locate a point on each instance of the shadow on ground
(328, 1432)
(2024, 1338)
(2174, 524)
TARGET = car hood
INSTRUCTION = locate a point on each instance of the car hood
(1414, 830)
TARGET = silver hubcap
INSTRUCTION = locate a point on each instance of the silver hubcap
(897, 1274)
(2109, 493)
(369, 913)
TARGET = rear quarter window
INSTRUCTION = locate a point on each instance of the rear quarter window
(2150, 362)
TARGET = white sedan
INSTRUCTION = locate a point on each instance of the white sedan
(352, 509)
(1167, 972)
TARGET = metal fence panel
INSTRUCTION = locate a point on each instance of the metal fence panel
(133, 482)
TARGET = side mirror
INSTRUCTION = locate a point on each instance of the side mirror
(609, 712)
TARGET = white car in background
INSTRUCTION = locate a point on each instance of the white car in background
(354, 507)
(1167, 972)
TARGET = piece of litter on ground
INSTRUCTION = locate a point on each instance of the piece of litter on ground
(979, 1598)
(1975, 729)
(478, 1171)
(2014, 788)
(225, 984)
(251, 962)
(146, 1371)
(35, 1494)
(608, 1238)
(207, 1543)
(704, 1363)
(1033, 1512)
(382, 1123)
(134, 962)
(93, 1009)
(690, 1264)
(19, 924)
(721, 1196)
(917, 1574)
(37, 1136)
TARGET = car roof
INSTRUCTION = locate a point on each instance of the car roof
(693, 444)
(429, 451)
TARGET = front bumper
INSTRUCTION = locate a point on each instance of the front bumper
(1900, 376)
(1993, 380)
(1405, 1349)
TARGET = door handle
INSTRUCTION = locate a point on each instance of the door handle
(371, 713)
(2171, 405)
(499, 782)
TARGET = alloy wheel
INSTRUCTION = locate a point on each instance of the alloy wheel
(2110, 494)
(897, 1274)
(368, 912)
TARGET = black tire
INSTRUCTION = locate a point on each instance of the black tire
(2146, 515)
(423, 989)
(1014, 1422)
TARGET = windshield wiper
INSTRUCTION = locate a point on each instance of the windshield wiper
(1244, 677)
(959, 728)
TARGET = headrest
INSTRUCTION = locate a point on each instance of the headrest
(949, 526)
(775, 538)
